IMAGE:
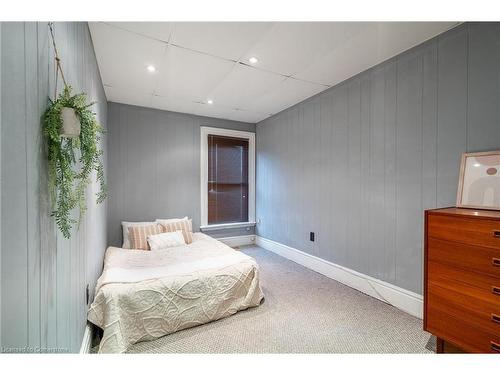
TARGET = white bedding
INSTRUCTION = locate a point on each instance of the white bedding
(143, 295)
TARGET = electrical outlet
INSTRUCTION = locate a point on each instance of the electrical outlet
(311, 236)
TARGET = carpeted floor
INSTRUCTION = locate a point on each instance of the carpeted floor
(303, 312)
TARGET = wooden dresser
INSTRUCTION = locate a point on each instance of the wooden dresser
(462, 279)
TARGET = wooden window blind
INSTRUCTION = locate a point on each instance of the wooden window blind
(227, 180)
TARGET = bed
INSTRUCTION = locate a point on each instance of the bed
(143, 295)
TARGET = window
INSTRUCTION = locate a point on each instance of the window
(227, 178)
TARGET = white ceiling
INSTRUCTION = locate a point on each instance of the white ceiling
(197, 61)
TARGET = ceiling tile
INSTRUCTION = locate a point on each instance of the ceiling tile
(225, 113)
(348, 59)
(290, 47)
(188, 75)
(396, 37)
(122, 57)
(155, 30)
(250, 116)
(171, 104)
(118, 95)
(316, 53)
(286, 94)
(373, 45)
(243, 84)
(206, 110)
(229, 40)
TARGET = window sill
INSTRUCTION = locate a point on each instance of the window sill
(206, 228)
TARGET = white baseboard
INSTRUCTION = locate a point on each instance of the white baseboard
(405, 300)
(87, 340)
(238, 240)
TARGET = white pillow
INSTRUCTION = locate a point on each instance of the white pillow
(126, 225)
(167, 239)
(168, 221)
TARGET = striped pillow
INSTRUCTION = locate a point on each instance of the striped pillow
(138, 235)
(128, 224)
(186, 225)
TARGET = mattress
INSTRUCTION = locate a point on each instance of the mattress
(143, 295)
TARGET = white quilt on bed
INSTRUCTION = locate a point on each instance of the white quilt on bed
(143, 295)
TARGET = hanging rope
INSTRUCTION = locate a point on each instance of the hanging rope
(58, 61)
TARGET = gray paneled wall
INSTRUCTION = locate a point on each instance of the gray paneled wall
(359, 163)
(1, 132)
(154, 165)
(43, 275)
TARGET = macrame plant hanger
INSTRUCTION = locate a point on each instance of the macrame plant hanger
(58, 61)
(70, 123)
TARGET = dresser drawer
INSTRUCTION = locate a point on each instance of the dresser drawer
(455, 290)
(449, 324)
(482, 232)
(464, 256)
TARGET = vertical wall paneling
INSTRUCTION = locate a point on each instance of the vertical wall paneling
(376, 202)
(338, 151)
(309, 173)
(14, 189)
(354, 174)
(0, 182)
(483, 86)
(366, 162)
(154, 166)
(429, 125)
(387, 147)
(63, 245)
(452, 112)
(324, 183)
(409, 169)
(388, 253)
(33, 140)
(48, 249)
(43, 275)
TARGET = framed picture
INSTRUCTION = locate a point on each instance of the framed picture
(479, 181)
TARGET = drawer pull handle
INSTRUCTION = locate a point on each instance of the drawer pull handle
(495, 346)
(495, 290)
(495, 318)
(496, 233)
(495, 262)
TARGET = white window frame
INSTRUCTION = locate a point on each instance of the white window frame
(205, 132)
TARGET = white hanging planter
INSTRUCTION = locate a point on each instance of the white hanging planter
(70, 123)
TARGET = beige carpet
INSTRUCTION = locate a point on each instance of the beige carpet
(303, 312)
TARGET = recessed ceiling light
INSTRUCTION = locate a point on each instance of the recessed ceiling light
(477, 165)
(151, 68)
(210, 101)
(253, 60)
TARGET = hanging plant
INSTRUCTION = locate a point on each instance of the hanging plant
(67, 184)
(73, 135)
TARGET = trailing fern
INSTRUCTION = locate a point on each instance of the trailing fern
(69, 173)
